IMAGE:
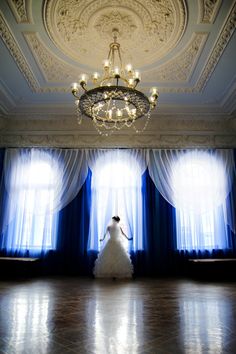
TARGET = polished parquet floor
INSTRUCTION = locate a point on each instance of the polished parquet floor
(148, 316)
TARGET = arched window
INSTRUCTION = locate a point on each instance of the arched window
(199, 185)
(116, 190)
(32, 225)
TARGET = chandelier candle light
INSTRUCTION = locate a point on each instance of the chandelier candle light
(114, 103)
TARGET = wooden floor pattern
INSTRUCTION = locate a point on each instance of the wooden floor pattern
(144, 316)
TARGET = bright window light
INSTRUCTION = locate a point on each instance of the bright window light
(199, 187)
(33, 190)
(116, 190)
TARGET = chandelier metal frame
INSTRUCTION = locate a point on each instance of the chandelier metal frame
(115, 102)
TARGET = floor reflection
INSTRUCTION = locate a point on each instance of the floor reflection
(117, 319)
(24, 317)
(205, 321)
(147, 316)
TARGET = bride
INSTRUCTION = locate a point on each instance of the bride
(113, 261)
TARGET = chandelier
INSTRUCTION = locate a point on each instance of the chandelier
(114, 103)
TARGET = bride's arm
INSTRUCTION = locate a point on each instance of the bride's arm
(125, 235)
(102, 239)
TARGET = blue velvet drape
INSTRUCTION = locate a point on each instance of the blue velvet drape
(158, 230)
(2, 154)
(2, 188)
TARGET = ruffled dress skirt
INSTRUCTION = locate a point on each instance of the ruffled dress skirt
(113, 261)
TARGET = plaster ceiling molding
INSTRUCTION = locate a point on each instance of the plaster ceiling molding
(215, 55)
(148, 30)
(218, 49)
(52, 68)
(64, 139)
(172, 139)
(17, 54)
(181, 67)
(35, 139)
(160, 123)
(37, 124)
(94, 141)
(176, 89)
(200, 140)
(208, 10)
(21, 9)
(192, 124)
(65, 89)
(55, 89)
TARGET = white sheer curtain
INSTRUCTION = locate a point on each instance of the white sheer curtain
(116, 190)
(39, 183)
(196, 183)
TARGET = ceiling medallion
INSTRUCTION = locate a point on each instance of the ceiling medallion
(76, 27)
(114, 103)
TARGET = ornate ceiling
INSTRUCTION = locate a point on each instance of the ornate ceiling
(185, 48)
(148, 30)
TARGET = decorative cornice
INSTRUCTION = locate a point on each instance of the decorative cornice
(21, 10)
(53, 68)
(215, 55)
(17, 54)
(164, 131)
(131, 141)
(180, 68)
(219, 47)
(208, 10)
(160, 123)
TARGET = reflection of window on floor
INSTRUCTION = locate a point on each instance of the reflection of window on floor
(202, 316)
(116, 190)
(34, 189)
(199, 182)
(28, 316)
(122, 336)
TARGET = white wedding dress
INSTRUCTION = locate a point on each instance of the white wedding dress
(113, 260)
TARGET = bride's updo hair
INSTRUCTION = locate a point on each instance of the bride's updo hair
(116, 218)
